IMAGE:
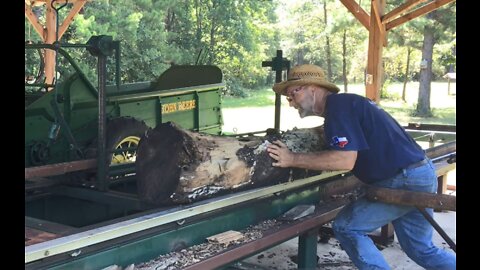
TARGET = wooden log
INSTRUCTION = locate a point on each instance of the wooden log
(412, 198)
(181, 166)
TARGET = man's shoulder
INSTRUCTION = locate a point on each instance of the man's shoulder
(343, 97)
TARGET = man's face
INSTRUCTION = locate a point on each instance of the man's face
(301, 98)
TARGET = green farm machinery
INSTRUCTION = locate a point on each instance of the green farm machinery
(74, 118)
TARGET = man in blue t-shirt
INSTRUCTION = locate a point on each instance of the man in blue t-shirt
(365, 139)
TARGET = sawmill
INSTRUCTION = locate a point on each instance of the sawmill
(122, 174)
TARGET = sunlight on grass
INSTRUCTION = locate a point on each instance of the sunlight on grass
(256, 98)
(442, 103)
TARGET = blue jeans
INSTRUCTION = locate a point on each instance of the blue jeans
(413, 231)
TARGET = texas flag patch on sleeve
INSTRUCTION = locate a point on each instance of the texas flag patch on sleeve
(339, 141)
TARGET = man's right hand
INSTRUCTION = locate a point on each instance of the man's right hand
(280, 153)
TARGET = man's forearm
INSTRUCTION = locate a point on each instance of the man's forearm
(325, 160)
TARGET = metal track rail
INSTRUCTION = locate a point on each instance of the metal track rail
(77, 241)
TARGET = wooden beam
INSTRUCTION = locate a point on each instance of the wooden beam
(401, 9)
(412, 198)
(42, 2)
(60, 168)
(374, 65)
(48, 33)
(49, 38)
(358, 12)
(416, 13)
(376, 15)
(34, 21)
(74, 11)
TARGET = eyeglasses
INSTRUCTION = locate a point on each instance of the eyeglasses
(291, 94)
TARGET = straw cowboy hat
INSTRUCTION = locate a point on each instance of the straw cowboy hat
(303, 75)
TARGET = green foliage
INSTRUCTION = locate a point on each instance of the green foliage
(447, 56)
(238, 35)
(386, 94)
(395, 62)
(234, 88)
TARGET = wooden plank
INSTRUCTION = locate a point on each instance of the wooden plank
(433, 127)
(49, 38)
(42, 2)
(34, 21)
(412, 198)
(452, 187)
(381, 27)
(357, 12)
(442, 168)
(374, 66)
(34, 236)
(443, 149)
(400, 9)
(48, 226)
(225, 238)
(416, 13)
(60, 168)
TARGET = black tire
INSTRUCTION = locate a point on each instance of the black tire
(123, 132)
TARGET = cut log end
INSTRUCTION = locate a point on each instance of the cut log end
(181, 166)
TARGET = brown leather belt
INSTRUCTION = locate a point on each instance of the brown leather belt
(417, 164)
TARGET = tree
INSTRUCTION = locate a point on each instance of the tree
(440, 24)
(327, 43)
(406, 41)
(353, 37)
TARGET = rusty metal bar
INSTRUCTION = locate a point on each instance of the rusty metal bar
(326, 214)
(412, 198)
(437, 227)
(60, 168)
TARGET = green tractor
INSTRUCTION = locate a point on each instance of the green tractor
(63, 120)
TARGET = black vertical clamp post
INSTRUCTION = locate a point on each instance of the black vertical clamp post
(278, 64)
(101, 47)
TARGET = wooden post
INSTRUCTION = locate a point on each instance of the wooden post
(49, 38)
(48, 33)
(376, 42)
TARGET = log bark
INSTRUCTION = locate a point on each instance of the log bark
(175, 165)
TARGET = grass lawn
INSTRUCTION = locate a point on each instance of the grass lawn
(443, 104)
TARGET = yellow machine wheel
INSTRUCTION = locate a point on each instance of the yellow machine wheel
(129, 155)
(123, 133)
